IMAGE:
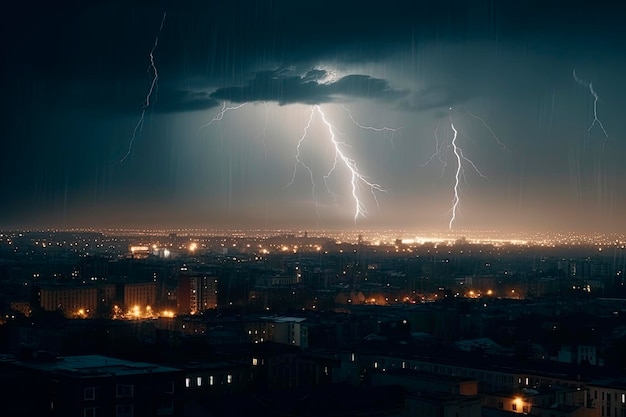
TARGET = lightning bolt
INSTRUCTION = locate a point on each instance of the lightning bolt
(460, 158)
(493, 134)
(596, 120)
(457, 174)
(300, 162)
(357, 179)
(438, 151)
(220, 115)
(154, 78)
(460, 172)
(383, 129)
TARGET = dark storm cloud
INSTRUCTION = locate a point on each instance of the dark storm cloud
(102, 47)
(438, 97)
(286, 88)
(280, 86)
(185, 100)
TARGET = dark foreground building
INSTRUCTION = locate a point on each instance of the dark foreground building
(89, 386)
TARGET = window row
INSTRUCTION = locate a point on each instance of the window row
(210, 380)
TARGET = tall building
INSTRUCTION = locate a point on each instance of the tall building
(141, 294)
(79, 300)
(196, 293)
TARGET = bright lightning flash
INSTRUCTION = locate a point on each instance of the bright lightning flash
(357, 179)
(457, 174)
(595, 120)
(154, 78)
(461, 160)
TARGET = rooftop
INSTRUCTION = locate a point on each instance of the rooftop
(93, 365)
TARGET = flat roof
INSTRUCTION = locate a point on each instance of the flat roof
(93, 365)
(284, 319)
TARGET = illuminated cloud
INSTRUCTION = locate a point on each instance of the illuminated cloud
(287, 88)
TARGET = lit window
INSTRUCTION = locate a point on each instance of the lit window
(375, 365)
(623, 398)
(211, 380)
(187, 382)
(255, 361)
(229, 379)
(89, 393)
(199, 381)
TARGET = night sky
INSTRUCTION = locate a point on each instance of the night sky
(515, 79)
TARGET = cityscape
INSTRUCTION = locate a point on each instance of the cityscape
(313, 209)
(195, 323)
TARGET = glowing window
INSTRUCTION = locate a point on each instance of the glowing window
(211, 380)
(229, 379)
(187, 382)
(199, 381)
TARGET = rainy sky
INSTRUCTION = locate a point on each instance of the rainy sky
(344, 115)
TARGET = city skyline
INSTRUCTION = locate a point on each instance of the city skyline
(315, 116)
